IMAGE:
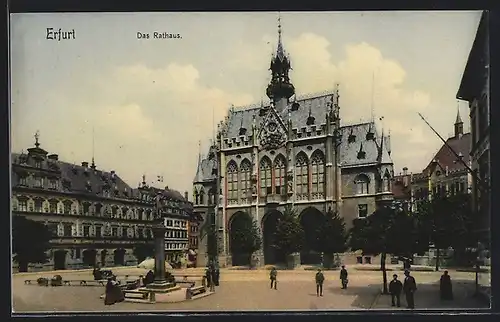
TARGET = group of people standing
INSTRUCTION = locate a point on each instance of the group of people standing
(319, 278)
(410, 286)
(212, 275)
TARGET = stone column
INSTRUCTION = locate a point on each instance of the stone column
(159, 235)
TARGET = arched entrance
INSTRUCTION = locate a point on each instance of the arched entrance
(240, 235)
(89, 257)
(269, 224)
(119, 257)
(59, 259)
(104, 253)
(311, 220)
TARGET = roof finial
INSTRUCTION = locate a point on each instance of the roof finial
(37, 136)
(93, 148)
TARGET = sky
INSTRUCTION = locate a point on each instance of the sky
(141, 106)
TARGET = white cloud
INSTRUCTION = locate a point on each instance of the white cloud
(150, 119)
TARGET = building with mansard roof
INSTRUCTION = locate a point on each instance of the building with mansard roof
(292, 151)
(445, 174)
(95, 217)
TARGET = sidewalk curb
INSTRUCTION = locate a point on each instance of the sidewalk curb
(375, 301)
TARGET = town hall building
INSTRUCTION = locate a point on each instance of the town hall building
(294, 151)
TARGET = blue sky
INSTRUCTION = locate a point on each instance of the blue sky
(149, 102)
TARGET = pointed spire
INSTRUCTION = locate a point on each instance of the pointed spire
(280, 52)
(459, 118)
(199, 170)
(372, 103)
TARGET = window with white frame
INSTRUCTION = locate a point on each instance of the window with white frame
(362, 182)
(362, 211)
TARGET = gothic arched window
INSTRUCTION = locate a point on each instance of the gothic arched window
(201, 198)
(302, 175)
(211, 197)
(362, 182)
(386, 183)
(318, 175)
(245, 170)
(265, 177)
(196, 198)
(279, 174)
(232, 181)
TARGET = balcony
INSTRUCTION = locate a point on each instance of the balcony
(274, 199)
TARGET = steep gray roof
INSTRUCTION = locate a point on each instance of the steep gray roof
(204, 170)
(374, 151)
(75, 178)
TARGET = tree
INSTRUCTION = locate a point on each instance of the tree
(30, 241)
(447, 221)
(289, 235)
(331, 237)
(386, 231)
(208, 231)
(245, 237)
(142, 251)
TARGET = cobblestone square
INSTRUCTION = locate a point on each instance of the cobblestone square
(250, 291)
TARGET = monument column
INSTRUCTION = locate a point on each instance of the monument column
(159, 235)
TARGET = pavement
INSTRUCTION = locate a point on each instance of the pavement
(247, 290)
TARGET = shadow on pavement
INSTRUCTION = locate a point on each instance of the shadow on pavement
(364, 295)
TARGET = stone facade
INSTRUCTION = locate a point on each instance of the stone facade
(94, 216)
(291, 151)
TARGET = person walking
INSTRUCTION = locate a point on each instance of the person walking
(409, 287)
(395, 288)
(272, 276)
(343, 277)
(320, 278)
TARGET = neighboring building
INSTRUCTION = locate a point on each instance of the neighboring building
(95, 217)
(401, 189)
(474, 89)
(293, 151)
(194, 237)
(445, 174)
(176, 213)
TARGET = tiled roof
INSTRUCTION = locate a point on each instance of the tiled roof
(446, 158)
(398, 188)
(317, 107)
(82, 180)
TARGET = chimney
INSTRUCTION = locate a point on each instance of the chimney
(406, 177)
(113, 177)
(186, 195)
(54, 157)
(85, 164)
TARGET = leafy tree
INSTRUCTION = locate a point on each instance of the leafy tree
(331, 235)
(142, 251)
(245, 237)
(386, 231)
(289, 235)
(208, 231)
(447, 222)
(30, 241)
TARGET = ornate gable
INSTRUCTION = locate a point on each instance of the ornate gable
(272, 133)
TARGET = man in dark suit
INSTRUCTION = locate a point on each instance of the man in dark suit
(409, 287)
(395, 288)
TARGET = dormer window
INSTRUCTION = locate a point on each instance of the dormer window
(243, 131)
(352, 137)
(38, 164)
(438, 173)
(370, 136)
(295, 106)
(361, 152)
(310, 120)
(88, 186)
